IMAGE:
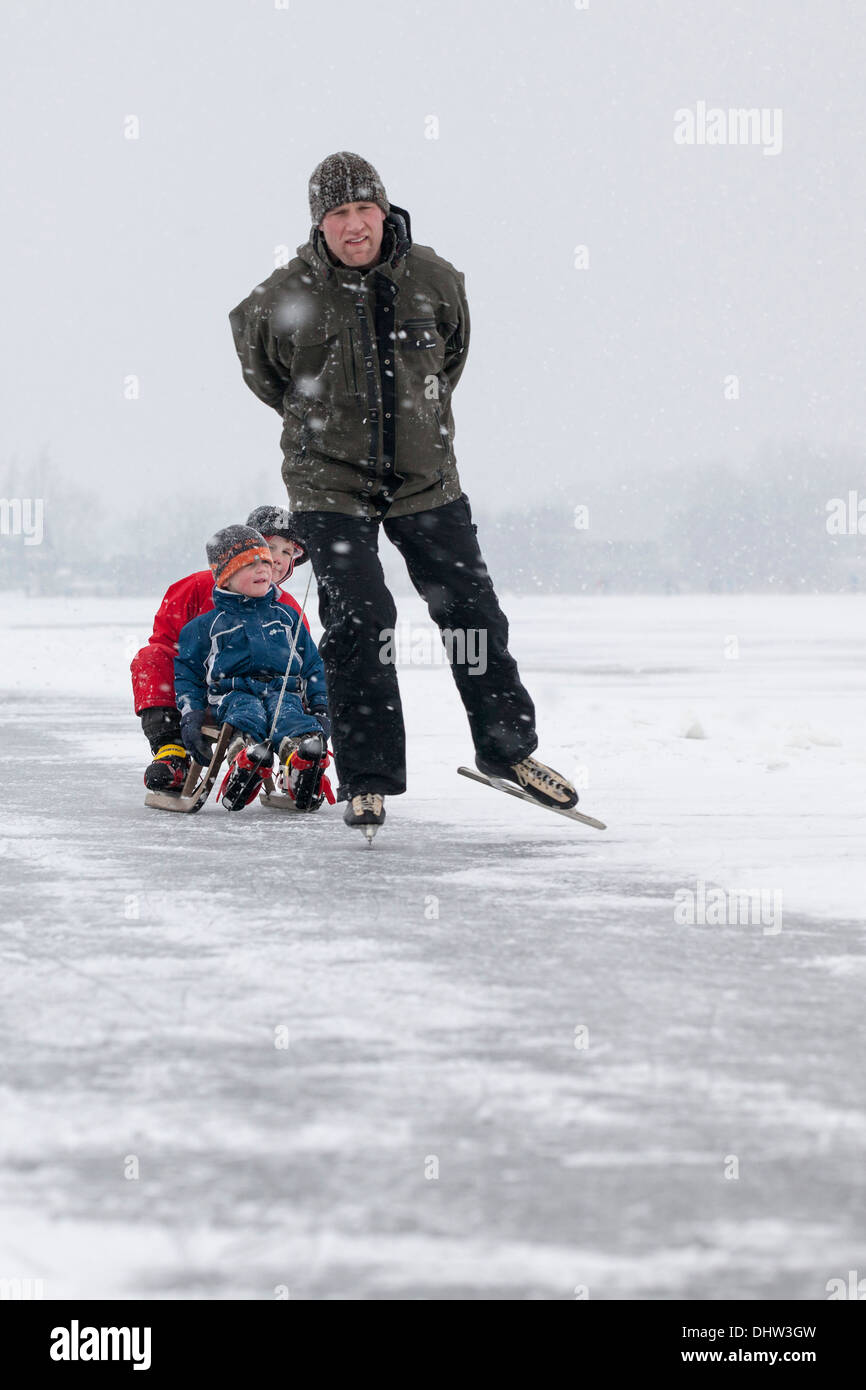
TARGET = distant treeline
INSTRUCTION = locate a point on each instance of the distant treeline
(794, 522)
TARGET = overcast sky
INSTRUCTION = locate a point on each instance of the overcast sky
(555, 130)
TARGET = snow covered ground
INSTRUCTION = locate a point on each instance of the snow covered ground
(514, 1068)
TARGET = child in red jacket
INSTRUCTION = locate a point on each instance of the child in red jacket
(153, 667)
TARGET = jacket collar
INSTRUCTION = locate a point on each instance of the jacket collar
(396, 243)
(239, 603)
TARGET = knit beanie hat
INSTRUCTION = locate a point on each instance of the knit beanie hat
(344, 178)
(277, 521)
(232, 548)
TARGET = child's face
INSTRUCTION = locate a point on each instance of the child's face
(282, 551)
(253, 580)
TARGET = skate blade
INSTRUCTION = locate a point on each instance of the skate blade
(369, 832)
(499, 784)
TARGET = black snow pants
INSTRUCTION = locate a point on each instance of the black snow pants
(358, 613)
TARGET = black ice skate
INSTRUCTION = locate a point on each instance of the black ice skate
(199, 780)
(365, 812)
(537, 780)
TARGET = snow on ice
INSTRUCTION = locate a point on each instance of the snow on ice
(485, 1059)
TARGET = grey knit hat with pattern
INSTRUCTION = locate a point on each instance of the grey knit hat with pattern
(277, 521)
(344, 178)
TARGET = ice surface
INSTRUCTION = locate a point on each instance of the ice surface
(431, 987)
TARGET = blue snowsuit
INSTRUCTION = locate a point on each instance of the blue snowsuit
(232, 661)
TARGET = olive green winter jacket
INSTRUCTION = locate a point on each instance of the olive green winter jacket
(361, 367)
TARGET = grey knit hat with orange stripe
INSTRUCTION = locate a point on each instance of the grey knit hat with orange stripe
(232, 548)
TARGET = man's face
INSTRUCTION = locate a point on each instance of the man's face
(353, 233)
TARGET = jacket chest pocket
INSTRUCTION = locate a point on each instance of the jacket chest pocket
(231, 647)
(422, 354)
(314, 361)
(274, 649)
(325, 368)
(420, 335)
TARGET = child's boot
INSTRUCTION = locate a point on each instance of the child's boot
(249, 764)
(302, 761)
(167, 772)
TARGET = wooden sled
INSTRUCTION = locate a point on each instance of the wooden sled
(200, 781)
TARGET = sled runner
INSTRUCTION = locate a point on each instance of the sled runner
(500, 785)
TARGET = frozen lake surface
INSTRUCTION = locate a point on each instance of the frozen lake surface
(512, 1069)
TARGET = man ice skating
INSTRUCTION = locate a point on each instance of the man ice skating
(359, 344)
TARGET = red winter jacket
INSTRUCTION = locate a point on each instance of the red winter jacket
(153, 667)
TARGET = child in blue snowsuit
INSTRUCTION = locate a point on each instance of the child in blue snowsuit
(230, 663)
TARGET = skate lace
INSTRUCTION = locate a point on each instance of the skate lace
(539, 773)
(367, 802)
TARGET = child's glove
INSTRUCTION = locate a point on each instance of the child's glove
(324, 720)
(190, 731)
